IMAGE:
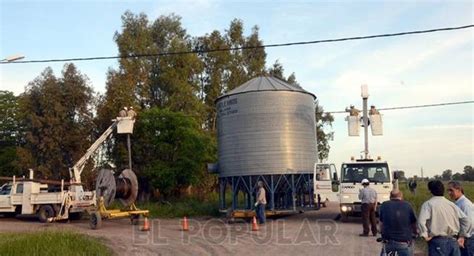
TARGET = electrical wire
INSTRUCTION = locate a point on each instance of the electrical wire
(242, 48)
(416, 106)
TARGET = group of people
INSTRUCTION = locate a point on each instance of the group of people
(446, 226)
(127, 112)
(355, 112)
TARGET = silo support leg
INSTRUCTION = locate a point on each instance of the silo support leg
(293, 192)
(272, 193)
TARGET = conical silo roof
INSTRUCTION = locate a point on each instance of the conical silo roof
(265, 83)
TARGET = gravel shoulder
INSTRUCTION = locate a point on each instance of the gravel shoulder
(313, 232)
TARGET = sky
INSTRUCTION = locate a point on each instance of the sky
(399, 71)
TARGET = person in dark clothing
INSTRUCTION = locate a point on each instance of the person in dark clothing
(397, 225)
(412, 185)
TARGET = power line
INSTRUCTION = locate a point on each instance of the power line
(243, 48)
(416, 106)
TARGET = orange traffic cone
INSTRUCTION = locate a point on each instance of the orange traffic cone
(146, 225)
(185, 224)
(254, 224)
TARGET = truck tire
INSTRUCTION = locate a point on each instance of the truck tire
(135, 219)
(45, 212)
(344, 217)
(95, 220)
(75, 216)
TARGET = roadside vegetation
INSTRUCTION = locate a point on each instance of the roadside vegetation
(50, 243)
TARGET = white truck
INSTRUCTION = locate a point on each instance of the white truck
(56, 200)
(325, 184)
(349, 185)
(43, 198)
(352, 173)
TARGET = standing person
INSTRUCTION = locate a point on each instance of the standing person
(441, 222)
(131, 113)
(373, 111)
(261, 202)
(368, 197)
(123, 112)
(456, 193)
(412, 185)
(397, 225)
(353, 111)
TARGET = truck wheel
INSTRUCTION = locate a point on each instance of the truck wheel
(134, 219)
(95, 221)
(344, 217)
(45, 212)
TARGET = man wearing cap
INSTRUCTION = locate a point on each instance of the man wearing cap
(456, 193)
(397, 225)
(368, 197)
(443, 225)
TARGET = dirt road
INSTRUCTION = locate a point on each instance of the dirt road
(311, 233)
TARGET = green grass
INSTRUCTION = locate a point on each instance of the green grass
(423, 194)
(189, 207)
(50, 243)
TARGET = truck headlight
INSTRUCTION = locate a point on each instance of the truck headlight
(344, 208)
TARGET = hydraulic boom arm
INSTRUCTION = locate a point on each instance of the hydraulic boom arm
(76, 170)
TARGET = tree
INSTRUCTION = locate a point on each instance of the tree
(57, 117)
(9, 133)
(457, 176)
(468, 173)
(212, 79)
(323, 120)
(401, 175)
(171, 150)
(447, 175)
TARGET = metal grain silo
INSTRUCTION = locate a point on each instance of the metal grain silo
(266, 131)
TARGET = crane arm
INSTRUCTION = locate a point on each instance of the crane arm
(76, 170)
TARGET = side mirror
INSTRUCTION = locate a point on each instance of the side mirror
(395, 175)
(334, 176)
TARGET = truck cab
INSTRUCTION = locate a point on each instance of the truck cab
(352, 173)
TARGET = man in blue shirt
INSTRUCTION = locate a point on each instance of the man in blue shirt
(456, 193)
(397, 225)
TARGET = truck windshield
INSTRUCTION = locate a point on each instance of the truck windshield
(5, 189)
(374, 172)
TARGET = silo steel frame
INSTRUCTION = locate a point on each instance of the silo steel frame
(283, 191)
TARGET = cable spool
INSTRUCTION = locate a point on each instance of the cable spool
(124, 187)
(127, 187)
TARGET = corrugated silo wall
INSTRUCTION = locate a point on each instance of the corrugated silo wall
(265, 133)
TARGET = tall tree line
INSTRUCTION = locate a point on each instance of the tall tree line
(174, 96)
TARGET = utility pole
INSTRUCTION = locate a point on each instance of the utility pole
(422, 178)
(365, 119)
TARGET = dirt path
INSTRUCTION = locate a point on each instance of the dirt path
(311, 233)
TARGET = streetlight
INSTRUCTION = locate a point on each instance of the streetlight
(13, 58)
